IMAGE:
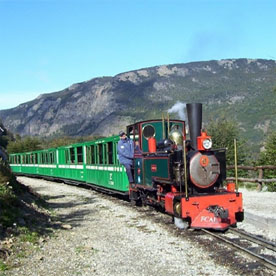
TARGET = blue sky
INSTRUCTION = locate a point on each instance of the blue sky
(47, 45)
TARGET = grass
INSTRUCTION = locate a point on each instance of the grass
(26, 235)
(3, 266)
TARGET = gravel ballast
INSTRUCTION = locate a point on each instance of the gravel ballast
(100, 236)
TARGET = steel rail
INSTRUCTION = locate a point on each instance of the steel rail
(268, 244)
(269, 264)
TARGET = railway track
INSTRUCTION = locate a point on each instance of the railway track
(233, 242)
(246, 237)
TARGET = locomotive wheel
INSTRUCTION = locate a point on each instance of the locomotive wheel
(137, 202)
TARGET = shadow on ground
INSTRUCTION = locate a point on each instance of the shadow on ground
(36, 217)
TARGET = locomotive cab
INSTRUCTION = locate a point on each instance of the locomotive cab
(153, 166)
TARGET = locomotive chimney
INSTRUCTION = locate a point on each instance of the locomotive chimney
(194, 112)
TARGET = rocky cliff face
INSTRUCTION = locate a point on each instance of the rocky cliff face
(240, 88)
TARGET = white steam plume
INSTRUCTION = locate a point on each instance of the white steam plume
(179, 108)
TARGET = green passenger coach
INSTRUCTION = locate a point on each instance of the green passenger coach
(93, 163)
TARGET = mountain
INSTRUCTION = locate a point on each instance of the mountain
(241, 89)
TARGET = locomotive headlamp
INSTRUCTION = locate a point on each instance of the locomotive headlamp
(207, 143)
(204, 142)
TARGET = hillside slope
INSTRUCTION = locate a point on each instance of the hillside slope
(240, 89)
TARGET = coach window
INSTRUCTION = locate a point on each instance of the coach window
(51, 158)
(110, 153)
(96, 154)
(105, 154)
(88, 154)
(72, 155)
(79, 155)
(100, 146)
(46, 158)
(93, 155)
(116, 153)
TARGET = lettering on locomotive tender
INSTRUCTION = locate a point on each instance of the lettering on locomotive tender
(208, 219)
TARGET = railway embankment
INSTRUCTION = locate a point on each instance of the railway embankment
(23, 219)
(95, 234)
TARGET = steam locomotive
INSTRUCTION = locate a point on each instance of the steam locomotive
(184, 177)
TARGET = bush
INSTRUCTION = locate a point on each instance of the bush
(8, 199)
(23, 145)
(268, 157)
(223, 132)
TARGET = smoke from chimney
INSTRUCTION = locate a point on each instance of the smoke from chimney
(179, 108)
